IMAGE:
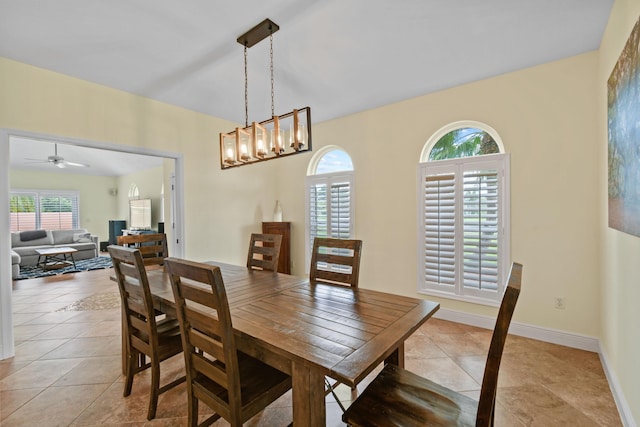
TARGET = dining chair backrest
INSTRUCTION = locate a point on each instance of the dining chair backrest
(486, 404)
(153, 246)
(335, 261)
(137, 303)
(207, 340)
(235, 385)
(398, 397)
(143, 334)
(264, 251)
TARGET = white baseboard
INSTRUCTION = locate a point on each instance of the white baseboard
(623, 407)
(554, 336)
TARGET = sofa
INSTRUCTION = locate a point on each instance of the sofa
(25, 243)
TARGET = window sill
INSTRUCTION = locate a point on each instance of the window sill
(463, 298)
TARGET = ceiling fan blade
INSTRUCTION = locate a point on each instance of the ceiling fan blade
(57, 161)
(82, 165)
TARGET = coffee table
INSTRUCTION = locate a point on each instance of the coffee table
(54, 258)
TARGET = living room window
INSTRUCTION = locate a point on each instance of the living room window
(464, 214)
(329, 191)
(44, 209)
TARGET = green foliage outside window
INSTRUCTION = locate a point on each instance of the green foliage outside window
(464, 142)
(22, 204)
(56, 204)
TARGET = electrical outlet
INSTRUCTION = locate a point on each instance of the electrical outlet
(559, 304)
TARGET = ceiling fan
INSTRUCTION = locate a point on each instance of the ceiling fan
(58, 161)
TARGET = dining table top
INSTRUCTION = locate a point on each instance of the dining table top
(316, 329)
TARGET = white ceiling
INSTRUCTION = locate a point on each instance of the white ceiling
(22, 151)
(336, 56)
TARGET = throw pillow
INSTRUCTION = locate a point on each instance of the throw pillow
(81, 237)
(26, 236)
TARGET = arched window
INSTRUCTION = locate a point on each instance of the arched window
(134, 193)
(464, 227)
(329, 188)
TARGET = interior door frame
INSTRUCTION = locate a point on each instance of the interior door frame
(6, 307)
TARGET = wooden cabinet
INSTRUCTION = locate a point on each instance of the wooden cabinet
(283, 228)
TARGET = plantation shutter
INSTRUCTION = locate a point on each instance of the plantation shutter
(58, 211)
(330, 209)
(22, 211)
(439, 226)
(464, 241)
(45, 210)
(318, 211)
(340, 209)
(480, 207)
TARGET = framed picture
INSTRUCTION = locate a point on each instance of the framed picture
(624, 138)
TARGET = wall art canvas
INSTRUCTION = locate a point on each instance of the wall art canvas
(624, 138)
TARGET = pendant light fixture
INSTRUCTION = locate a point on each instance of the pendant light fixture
(281, 135)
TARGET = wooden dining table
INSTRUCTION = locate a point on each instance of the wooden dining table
(311, 330)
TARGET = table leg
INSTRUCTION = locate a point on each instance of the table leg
(309, 409)
(73, 261)
(397, 357)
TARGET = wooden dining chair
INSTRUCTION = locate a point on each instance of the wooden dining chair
(153, 247)
(397, 397)
(264, 251)
(336, 262)
(236, 386)
(144, 335)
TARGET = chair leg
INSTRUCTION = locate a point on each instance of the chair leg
(155, 389)
(192, 408)
(130, 371)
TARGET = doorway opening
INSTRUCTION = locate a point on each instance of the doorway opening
(176, 179)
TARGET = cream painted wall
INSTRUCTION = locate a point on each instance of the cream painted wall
(221, 207)
(97, 206)
(546, 118)
(620, 287)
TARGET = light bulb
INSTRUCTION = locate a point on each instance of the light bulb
(243, 152)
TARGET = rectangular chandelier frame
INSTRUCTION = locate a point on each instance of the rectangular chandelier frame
(280, 136)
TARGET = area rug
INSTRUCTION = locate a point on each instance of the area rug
(98, 263)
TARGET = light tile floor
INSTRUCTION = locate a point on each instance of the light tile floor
(66, 371)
